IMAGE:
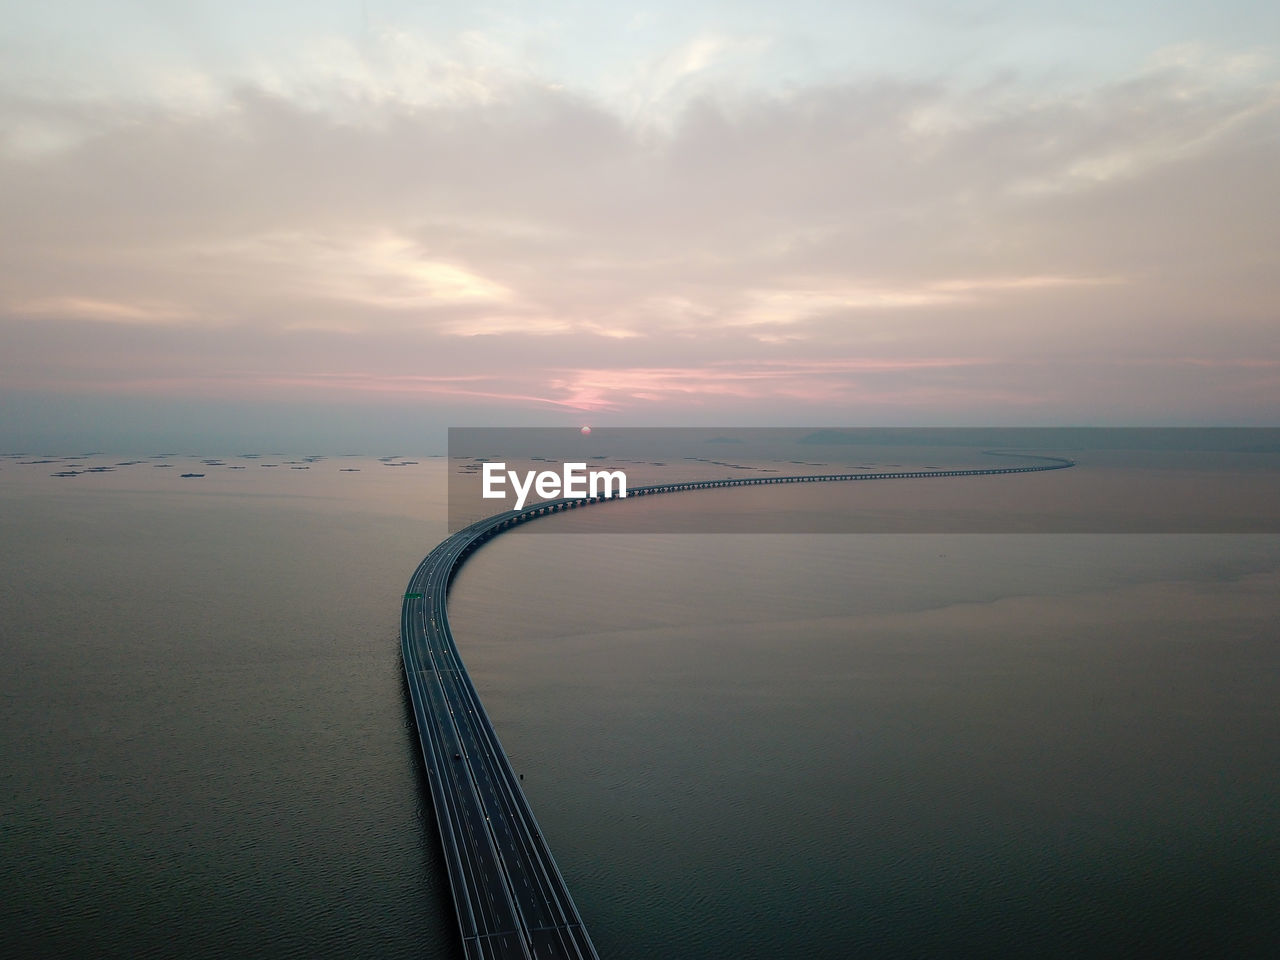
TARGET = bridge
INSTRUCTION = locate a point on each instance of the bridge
(508, 893)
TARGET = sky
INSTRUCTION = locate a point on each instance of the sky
(347, 225)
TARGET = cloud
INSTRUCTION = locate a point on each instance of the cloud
(105, 311)
(382, 270)
(811, 382)
(567, 254)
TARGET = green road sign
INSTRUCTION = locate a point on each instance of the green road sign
(413, 596)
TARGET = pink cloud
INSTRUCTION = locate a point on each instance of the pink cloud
(808, 381)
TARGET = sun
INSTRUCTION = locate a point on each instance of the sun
(586, 431)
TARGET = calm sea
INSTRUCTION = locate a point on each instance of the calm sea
(738, 746)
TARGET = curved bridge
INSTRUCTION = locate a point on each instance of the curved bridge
(510, 898)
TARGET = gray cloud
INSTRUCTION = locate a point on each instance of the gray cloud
(1111, 252)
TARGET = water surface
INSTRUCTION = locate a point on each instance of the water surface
(738, 746)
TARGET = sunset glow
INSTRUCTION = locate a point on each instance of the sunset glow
(481, 220)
